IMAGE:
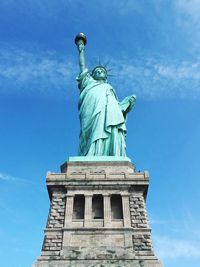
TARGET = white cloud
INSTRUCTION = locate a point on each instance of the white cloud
(188, 20)
(157, 77)
(39, 72)
(10, 178)
(174, 248)
(37, 8)
(156, 221)
(127, 6)
(190, 8)
(50, 74)
(52, 9)
(5, 177)
(178, 237)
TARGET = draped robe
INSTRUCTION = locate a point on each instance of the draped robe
(102, 124)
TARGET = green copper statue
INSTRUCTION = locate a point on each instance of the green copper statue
(102, 116)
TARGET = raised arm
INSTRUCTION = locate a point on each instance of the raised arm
(80, 41)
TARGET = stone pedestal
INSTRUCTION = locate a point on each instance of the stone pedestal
(97, 217)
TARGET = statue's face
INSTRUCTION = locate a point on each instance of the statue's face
(100, 74)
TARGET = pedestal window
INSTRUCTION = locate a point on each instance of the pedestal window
(97, 207)
(116, 207)
(79, 207)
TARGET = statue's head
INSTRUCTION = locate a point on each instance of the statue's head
(99, 73)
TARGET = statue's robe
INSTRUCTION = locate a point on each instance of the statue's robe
(102, 124)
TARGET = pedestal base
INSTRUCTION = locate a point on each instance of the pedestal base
(99, 263)
(97, 216)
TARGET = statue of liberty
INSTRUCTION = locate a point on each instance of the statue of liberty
(102, 116)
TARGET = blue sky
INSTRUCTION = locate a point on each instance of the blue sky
(153, 50)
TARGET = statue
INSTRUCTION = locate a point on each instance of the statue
(102, 116)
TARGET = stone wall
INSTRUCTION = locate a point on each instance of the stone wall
(142, 243)
(99, 263)
(53, 237)
(138, 211)
(57, 210)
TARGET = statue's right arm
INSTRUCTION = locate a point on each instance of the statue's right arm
(82, 62)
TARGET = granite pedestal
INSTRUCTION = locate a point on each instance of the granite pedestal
(97, 216)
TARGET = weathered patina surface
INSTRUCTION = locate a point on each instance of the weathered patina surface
(102, 116)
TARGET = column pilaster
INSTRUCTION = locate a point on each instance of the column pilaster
(126, 210)
(69, 211)
(88, 211)
(107, 210)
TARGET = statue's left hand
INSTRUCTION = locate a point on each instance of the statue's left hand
(132, 99)
(127, 104)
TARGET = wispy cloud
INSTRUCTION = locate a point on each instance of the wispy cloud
(49, 74)
(10, 178)
(167, 247)
(45, 8)
(39, 72)
(156, 221)
(178, 237)
(190, 8)
(157, 77)
(52, 8)
(188, 20)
